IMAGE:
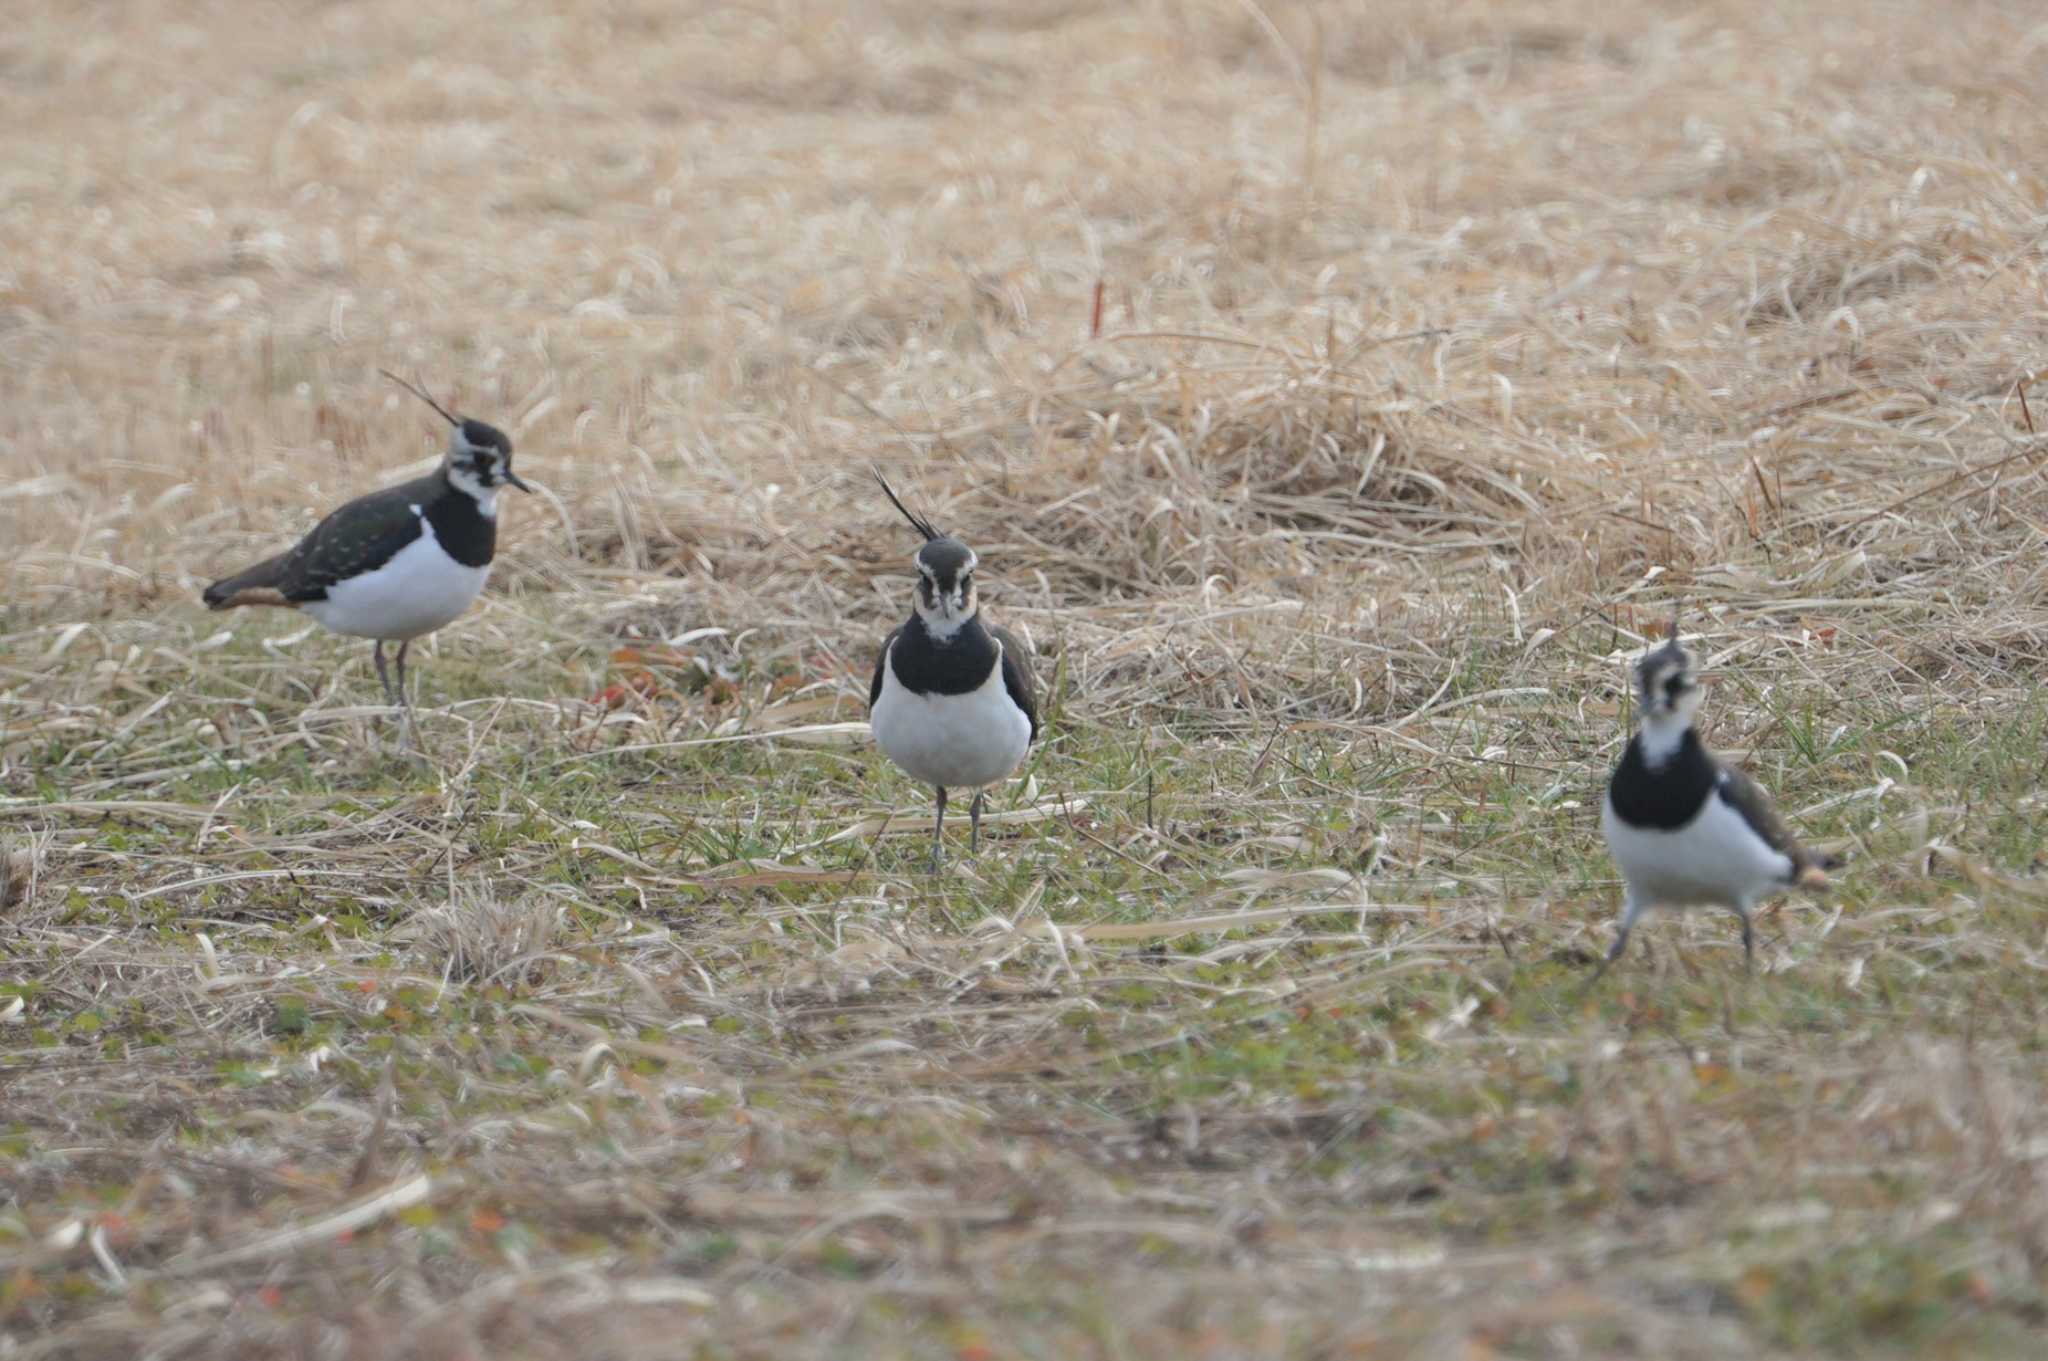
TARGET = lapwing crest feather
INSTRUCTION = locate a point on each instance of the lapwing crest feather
(421, 393)
(917, 522)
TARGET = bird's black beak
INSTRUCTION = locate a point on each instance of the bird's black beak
(513, 478)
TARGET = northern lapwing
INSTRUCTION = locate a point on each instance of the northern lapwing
(398, 563)
(1686, 830)
(953, 701)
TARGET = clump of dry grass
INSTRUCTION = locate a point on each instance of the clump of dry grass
(475, 938)
(17, 874)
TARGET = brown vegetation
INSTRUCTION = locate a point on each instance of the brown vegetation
(1335, 395)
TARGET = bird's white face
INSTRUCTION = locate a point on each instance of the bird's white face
(945, 586)
(480, 462)
(1667, 689)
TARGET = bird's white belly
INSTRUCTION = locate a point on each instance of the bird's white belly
(418, 591)
(1716, 859)
(952, 741)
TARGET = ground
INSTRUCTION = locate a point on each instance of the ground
(1338, 397)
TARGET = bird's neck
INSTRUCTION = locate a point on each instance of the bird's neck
(464, 518)
(1661, 737)
(945, 630)
(467, 483)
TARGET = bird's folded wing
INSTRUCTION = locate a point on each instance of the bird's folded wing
(1746, 797)
(360, 537)
(1018, 676)
(881, 663)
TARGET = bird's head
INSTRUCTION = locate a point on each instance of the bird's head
(1667, 687)
(480, 459)
(945, 585)
(479, 455)
(945, 573)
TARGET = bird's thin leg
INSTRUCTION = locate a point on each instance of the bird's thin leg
(404, 700)
(1748, 941)
(974, 821)
(384, 674)
(1613, 953)
(1629, 912)
(939, 832)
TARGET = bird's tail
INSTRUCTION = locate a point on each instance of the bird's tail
(1810, 868)
(255, 586)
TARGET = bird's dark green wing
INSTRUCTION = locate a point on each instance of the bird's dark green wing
(1018, 677)
(881, 662)
(362, 535)
(1746, 797)
(1754, 806)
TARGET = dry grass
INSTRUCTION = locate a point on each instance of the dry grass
(1440, 353)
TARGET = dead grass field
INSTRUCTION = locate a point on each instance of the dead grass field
(1443, 348)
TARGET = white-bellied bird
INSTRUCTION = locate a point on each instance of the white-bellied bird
(953, 700)
(398, 563)
(1686, 830)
